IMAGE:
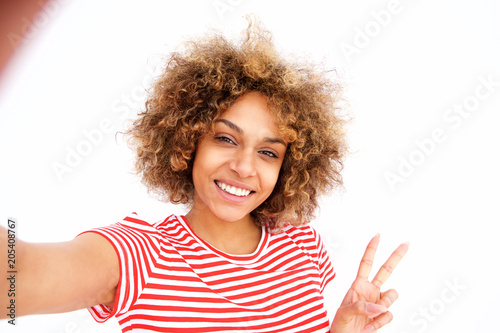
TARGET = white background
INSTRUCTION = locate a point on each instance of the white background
(407, 64)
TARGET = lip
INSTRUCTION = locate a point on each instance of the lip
(235, 183)
(231, 197)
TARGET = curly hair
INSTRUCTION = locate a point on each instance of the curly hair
(201, 80)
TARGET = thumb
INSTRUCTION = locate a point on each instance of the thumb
(346, 312)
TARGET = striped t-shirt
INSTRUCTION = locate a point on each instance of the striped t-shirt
(173, 281)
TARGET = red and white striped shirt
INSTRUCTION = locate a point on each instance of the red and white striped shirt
(173, 281)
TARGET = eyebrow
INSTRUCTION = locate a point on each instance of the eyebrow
(239, 130)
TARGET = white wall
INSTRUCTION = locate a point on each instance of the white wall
(425, 137)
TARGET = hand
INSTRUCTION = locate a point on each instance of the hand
(364, 308)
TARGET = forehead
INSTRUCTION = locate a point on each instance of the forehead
(249, 110)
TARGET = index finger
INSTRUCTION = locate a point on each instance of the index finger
(367, 261)
(388, 267)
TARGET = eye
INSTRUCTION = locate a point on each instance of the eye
(224, 139)
(269, 153)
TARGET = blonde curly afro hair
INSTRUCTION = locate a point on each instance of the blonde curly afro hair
(201, 80)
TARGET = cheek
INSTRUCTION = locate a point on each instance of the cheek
(200, 166)
(269, 178)
(207, 162)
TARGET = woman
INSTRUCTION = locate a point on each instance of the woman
(248, 141)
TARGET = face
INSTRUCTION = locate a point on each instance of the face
(236, 167)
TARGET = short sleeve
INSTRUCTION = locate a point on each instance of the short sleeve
(326, 270)
(137, 245)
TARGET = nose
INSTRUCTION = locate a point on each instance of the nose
(243, 163)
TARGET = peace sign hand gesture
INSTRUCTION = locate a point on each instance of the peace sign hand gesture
(364, 308)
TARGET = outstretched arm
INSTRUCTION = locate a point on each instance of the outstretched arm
(364, 308)
(61, 277)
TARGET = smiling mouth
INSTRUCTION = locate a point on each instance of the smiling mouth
(239, 192)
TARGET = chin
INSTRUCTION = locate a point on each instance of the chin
(232, 217)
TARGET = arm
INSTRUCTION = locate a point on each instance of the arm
(61, 277)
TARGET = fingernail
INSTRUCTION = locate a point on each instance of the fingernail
(375, 308)
(368, 329)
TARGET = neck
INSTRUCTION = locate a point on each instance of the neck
(238, 237)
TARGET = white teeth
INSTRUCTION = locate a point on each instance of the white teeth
(233, 190)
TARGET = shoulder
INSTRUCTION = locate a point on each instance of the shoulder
(136, 231)
(303, 232)
(304, 236)
(137, 223)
